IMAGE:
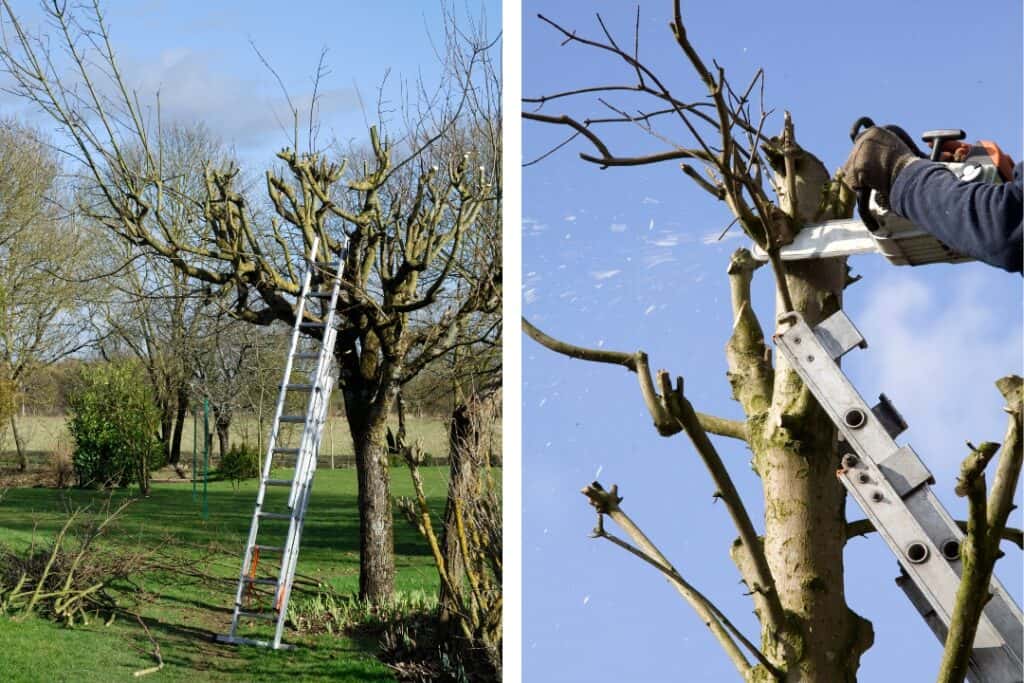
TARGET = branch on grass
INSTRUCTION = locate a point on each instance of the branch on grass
(986, 522)
(659, 409)
(156, 651)
(606, 502)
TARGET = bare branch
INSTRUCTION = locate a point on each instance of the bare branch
(985, 525)
(607, 503)
(637, 362)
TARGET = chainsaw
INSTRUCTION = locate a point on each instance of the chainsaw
(878, 229)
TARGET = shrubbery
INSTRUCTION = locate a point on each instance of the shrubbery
(114, 421)
(240, 462)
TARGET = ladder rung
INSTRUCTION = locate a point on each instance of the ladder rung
(306, 323)
(269, 616)
(300, 387)
(274, 515)
(265, 582)
(294, 419)
(320, 295)
(269, 548)
(307, 356)
(277, 482)
(287, 451)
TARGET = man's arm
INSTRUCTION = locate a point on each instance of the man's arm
(980, 220)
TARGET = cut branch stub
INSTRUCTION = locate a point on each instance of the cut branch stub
(972, 471)
(604, 501)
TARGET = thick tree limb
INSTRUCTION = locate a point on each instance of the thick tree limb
(987, 515)
(607, 503)
(750, 371)
(637, 363)
(755, 571)
(672, 412)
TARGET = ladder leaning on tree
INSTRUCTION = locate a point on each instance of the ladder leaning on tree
(892, 485)
(308, 371)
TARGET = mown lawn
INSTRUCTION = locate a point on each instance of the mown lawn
(183, 612)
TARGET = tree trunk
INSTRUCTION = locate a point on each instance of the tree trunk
(19, 444)
(222, 425)
(462, 439)
(174, 457)
(167, 414)
(797, 457)
(368, 424)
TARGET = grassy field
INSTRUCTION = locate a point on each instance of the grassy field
(43, 434)
(183, 613)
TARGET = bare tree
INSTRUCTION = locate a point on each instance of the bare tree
(793, 569)
(41, 251)
(398, 220)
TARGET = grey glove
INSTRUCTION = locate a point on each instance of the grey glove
(877, 158)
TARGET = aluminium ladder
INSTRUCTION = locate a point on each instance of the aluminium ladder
(317, 366)
(891, 485)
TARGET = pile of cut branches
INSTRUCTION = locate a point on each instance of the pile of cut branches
(67, 578)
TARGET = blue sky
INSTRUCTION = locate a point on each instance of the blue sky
(627, 258)
(198, 55)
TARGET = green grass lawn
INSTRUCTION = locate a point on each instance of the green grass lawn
(183, 613)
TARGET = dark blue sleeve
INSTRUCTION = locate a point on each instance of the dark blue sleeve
(981, 220)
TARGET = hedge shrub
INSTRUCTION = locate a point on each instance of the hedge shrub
(114, 421)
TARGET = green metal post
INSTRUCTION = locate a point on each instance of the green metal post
(195, 449)
(206, 454)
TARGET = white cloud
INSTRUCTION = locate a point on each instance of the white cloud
(533, 225)
(569, 219)
(604, 274)
(618, 227)
(650, 200)
(667, 239)
(716, 237)
(243, 110)
(937, 357)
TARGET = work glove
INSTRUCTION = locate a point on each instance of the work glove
(877, 157)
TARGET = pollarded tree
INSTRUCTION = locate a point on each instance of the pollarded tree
(399, 219)
(793, 568)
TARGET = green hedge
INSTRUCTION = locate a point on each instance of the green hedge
(114, 421)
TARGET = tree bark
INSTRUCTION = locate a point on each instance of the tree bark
(19, 444)
(167, 414)
(368, 425)
(461, 481)
(222, 425)
(797, 457)
(174, 457)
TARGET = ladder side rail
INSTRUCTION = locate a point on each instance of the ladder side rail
(272, 441)
(1001, 609)
(323, 364)
(306, 464)
(290, 562)
(868, 485)
(293, 346)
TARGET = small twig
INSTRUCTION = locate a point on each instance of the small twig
(156, 651)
